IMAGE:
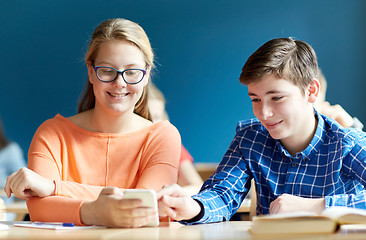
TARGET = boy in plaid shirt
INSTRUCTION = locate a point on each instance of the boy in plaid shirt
(300, 160)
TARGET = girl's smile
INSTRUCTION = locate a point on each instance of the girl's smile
(117, 97)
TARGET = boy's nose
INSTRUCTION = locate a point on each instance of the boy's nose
(266, 112)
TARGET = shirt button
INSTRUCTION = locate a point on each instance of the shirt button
(294, 164)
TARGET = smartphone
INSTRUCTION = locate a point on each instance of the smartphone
(148, 198)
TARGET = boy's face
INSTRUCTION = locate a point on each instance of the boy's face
(283, 109)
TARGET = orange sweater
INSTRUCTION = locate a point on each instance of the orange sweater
(81, 163)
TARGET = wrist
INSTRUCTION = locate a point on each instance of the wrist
(322, 204)
(198, 211)
(86, 213)
(319, 205)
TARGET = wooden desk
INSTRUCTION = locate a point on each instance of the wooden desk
(19, 208)
(224, 230)
(205, 170)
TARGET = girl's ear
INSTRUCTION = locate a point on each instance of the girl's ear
(90, 71)
(147, 76)
(313, 90)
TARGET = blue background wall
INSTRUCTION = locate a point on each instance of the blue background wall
(200, 48)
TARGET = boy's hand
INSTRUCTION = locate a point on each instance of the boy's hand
(175, 203)
(289, 203)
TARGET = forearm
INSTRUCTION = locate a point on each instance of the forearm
(49, 169)
(213, 209)
(222, 193)
(55, 209)
(77, 190)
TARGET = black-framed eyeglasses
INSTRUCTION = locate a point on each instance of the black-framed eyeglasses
(109, 74)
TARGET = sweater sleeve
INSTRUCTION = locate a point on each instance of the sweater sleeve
(161, 159)
(55, 209)
(49, 169)
(44, 157)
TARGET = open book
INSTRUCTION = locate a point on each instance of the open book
(307, 223)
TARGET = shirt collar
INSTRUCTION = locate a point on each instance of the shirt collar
(315, 143)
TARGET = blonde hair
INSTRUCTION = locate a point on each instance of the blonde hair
(290, 59)
(118, 29)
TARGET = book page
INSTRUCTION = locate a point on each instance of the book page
(345, 215)
(3, 226)
(300, 214)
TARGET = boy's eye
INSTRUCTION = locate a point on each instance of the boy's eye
(255, 100)
(276, 98)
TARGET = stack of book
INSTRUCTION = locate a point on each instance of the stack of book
(329, 221)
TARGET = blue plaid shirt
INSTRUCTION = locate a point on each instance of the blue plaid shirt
(333, 167)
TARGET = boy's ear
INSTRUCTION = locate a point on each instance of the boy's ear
(313, 90)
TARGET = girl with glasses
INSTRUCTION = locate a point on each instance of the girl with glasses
(79, 166)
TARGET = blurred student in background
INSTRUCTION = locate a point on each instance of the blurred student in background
(11, 159)
(188, 177)
(336, 111)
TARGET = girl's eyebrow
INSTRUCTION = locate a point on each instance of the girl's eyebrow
(131, 65)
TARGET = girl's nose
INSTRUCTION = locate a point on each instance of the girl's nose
(119, 82)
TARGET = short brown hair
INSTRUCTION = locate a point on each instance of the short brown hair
(290, 59)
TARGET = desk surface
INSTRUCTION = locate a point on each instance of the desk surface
(17, 207)
(224, 230)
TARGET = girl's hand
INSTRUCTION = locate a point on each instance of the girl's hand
(111, 210)
(25, 183)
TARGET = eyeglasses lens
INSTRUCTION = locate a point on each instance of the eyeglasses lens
(129, 75)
